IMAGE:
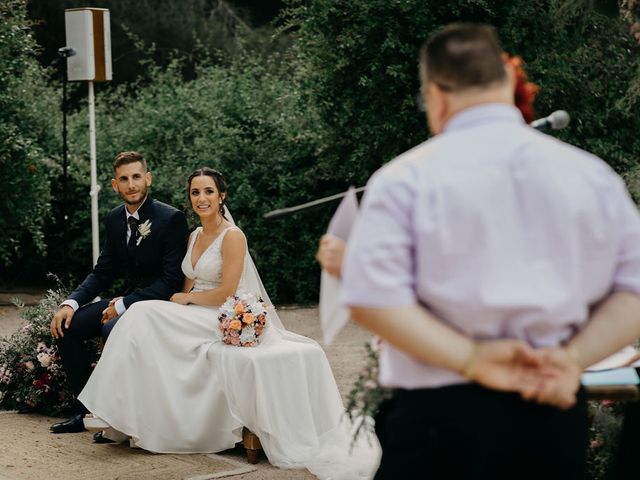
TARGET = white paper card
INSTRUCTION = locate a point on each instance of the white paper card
(333, 316)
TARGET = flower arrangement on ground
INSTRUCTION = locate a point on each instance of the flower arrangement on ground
(243, 318)
(605, 419)
(364, 399)
(31, 374)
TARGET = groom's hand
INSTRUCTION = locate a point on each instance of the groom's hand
(62, 316)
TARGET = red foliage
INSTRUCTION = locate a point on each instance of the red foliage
(525, 91)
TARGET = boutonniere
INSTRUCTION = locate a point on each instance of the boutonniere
(144, 230)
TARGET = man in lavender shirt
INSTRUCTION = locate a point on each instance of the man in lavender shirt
(496, 263)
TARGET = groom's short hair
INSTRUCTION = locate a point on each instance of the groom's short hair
(461, 56)
(124, 158)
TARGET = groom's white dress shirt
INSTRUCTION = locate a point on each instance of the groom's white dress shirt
(496, 228)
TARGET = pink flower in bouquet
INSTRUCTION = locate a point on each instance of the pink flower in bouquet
(233, 340)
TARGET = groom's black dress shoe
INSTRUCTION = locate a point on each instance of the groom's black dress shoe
(73, 425)
(98, 437)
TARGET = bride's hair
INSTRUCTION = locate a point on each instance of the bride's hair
(218, 179)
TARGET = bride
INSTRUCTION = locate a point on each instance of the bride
(166, 380)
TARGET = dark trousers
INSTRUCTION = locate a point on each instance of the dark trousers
(627, 465)
(85, 324)
(470, 432)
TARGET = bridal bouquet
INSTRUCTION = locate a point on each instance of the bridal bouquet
(242, 318)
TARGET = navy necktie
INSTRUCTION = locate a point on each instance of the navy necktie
(133, 225)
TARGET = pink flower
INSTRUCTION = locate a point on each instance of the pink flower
(370, 384)
(44, 359)
(234, 341)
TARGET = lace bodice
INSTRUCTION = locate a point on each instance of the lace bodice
(207, 272)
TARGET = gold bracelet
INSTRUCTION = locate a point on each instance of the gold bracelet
(467, 371)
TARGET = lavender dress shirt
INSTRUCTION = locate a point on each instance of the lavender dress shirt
(500, 230)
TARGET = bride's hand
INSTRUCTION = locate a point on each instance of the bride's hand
(181, 298)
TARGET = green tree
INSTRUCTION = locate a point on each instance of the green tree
(358, 64)
(27, 138)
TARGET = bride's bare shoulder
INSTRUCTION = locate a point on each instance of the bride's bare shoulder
(234, 236)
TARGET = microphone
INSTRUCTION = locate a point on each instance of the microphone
(556, 121)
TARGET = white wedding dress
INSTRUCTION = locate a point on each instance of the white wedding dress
(166, 380)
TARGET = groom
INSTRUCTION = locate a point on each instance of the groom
(145, 242)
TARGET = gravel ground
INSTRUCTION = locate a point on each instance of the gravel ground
(345, 356)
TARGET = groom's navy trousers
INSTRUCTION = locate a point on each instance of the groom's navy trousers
(85, 325)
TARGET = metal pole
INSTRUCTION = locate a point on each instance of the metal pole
(65, 150)
(95, 188)
(65, 163)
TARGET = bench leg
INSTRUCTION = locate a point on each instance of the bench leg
(252, 445)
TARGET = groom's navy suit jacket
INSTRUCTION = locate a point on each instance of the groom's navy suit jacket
(151, 269)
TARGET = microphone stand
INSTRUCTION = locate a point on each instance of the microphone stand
(285, 211)
(541, 124)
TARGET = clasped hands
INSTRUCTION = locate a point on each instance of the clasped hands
(549, 376)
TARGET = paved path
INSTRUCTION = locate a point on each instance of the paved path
(345, 356)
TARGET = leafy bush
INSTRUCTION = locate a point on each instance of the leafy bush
(358, 63)
(27, 106)
(604, 439)
(309, 123)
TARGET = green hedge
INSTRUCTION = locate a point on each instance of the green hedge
(27, 139)
(323, 115)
